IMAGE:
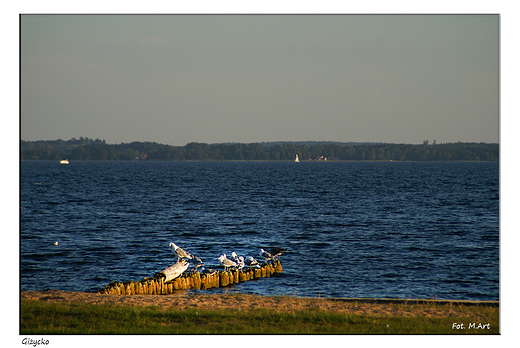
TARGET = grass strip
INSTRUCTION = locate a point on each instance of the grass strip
(41, 317)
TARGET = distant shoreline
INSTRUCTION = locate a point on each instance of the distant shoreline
(88, 149)
(279, 161)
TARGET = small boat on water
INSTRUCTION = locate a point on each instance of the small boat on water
(64, 161)
(296, 159)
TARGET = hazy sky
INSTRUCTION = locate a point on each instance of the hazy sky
(176, 79)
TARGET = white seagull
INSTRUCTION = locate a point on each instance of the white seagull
(227, 263)
(240, 262)
(250, 261)
(180, 253)
(238, 259)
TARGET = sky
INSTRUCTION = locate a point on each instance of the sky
(175, 79)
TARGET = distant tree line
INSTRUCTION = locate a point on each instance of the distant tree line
(85, 149)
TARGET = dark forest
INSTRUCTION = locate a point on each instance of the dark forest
(85, 149)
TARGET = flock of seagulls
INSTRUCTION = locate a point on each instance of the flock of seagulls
(236, 261)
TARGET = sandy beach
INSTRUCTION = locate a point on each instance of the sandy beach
(185, 300)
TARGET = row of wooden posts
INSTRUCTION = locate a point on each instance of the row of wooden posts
(191, 280)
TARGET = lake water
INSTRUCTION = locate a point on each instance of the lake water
(352, 229)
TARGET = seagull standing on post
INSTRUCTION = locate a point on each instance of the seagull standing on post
(227, 263)
(250, 261)
(180, 253)
(240, 262)
(238, 259)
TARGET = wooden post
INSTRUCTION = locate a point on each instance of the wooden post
(192, 283)
(161, 287)
(203, 282)
(242, 276)
(264, 271)
(216, 280)
(236, 276)
(196, 280)
(224, 278)
(278, 266)
(207, 281)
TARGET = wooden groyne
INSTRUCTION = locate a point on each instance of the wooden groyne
(157, 285)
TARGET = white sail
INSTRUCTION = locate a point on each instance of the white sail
(297, 159)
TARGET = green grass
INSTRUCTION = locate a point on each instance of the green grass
(39, 317)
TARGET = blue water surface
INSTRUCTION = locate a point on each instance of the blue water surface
(352, 229)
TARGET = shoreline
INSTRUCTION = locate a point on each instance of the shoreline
(342, 299)
(186, 299)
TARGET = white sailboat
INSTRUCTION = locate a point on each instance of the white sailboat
(296, 159)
